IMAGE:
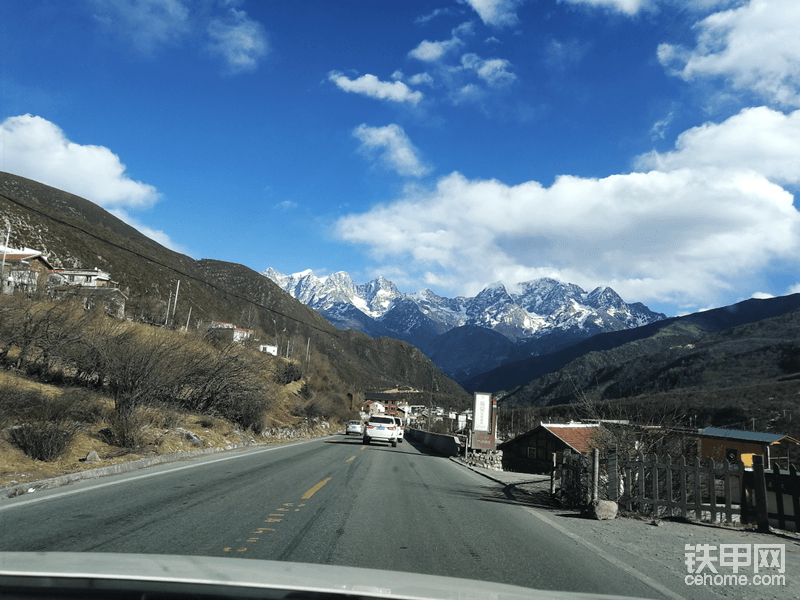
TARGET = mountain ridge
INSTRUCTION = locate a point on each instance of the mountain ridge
(534, 316)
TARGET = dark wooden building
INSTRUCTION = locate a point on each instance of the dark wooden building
(532, 452)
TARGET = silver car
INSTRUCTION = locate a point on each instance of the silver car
(354, 427)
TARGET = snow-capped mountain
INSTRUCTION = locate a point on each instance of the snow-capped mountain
(535, 316)
(322, 293)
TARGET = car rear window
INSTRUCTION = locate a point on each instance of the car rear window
(382, 420)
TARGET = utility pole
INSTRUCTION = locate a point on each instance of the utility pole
(169, 303)
(174, 306)
(3, 269)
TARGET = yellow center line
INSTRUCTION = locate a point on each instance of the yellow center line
(315, 489)
(362, 447)
(352, 458)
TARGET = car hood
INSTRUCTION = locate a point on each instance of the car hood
(96, 575)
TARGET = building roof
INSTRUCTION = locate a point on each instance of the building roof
(575, 436)
(746, 436)
(12, 255)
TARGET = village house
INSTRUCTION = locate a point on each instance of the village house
(228, 332)
(27, 270)
(23, 270)
(83, 277)
(532, 452)
(391, 404)
(734, 445)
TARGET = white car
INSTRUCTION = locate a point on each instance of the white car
(382, 429)
(400, 429)
(354, 427)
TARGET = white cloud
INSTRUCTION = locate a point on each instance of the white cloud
(438, 12)
(38, 149)
(150, 24)
(428, 51)
(395, 149)
(659, 128)
(758, 139)
(431, 51)
(371, 86)
(421, 78)
(499, 13)
(795, 289)
(493, 71)
(286, 205)
(156, 235)
(761, 296)
(755, 47)
(560, 55)
(35, 148)
(239, 40)
(686, 235)
(629, 7)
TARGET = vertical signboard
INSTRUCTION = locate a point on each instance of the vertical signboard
(482, 412)
(483, 422)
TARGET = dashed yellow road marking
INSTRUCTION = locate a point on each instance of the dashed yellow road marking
(315, 489)
(252, 539)
(241, 549)
(226, 549)
(362, 447)
(277, 515)
(352, 458)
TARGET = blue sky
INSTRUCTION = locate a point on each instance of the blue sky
(649, 145)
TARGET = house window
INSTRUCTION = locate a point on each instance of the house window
(531, 452)
(731, 455)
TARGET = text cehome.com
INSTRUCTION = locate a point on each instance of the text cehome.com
(738, 580)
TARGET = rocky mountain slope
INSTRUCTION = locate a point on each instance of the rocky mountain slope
(530, 318)
(73, 232)
(684, 353)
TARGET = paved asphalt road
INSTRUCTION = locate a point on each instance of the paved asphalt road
(332, 501)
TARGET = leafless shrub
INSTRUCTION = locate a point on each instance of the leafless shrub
(44, 427)
(287, 372)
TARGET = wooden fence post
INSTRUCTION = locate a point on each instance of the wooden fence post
(553, 477)
(595, 474)
(613, 486)
(762, 513)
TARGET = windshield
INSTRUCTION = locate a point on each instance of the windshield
(367, 283)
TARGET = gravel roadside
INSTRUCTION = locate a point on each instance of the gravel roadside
(658, 544)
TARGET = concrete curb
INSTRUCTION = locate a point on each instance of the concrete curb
(132, 465)
(123, 467)
(456, 460)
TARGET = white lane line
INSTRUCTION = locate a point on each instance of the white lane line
(606, 556)
(24, 501)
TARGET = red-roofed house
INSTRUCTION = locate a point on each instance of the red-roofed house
(532, 452)
(23, 270)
